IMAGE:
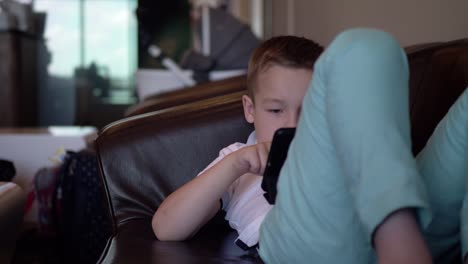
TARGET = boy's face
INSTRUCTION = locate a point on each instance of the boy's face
(278, 99)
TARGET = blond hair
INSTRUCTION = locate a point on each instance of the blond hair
(286, 51)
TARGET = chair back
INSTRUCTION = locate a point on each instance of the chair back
(438, 76)
(190, 94)
(144, 158)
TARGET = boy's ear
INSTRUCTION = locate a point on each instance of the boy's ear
(248, 104)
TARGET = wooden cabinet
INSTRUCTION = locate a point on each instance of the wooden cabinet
(22, 70)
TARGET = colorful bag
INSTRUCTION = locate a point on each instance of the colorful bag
(72, 207)
(83, 218)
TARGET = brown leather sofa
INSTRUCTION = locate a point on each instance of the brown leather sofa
(144, 158)
(186, 95)
(12, 202)
(141, 170)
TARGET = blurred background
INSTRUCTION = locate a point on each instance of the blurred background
(84, 62)
(74, 62)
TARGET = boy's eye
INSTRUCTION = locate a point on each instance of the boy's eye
(275, 111)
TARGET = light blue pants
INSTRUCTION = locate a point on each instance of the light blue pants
(350, 164)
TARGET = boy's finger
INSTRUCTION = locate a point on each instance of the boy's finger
(268, 145)
(266, 149)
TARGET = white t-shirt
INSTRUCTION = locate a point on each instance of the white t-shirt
(244, 203)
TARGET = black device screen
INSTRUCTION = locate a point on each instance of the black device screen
(278, 153)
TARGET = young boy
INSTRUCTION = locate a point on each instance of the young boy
(279, 73)
(350, 190)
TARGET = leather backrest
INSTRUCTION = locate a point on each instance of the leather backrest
(192, 94)
(144, 158)
(438, 75)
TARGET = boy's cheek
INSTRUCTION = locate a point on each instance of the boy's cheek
(271, 131)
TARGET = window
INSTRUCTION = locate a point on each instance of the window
(94, 35)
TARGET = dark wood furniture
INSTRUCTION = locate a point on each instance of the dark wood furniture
(186, 95)
(23, 67)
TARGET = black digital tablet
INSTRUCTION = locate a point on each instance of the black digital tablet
(278, 153)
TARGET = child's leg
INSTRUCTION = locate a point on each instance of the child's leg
(443, 163)
(350, 164)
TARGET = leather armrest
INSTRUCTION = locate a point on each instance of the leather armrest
(12, 202)
(136, 243)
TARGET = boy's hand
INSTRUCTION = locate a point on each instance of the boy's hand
(252, 159)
